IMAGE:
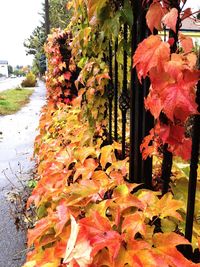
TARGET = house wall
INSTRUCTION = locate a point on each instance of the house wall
(4, 69)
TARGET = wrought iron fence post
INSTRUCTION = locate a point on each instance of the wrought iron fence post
(193, 169)
(140, 120)
(124, 98)
(110, 92)
(116, 93)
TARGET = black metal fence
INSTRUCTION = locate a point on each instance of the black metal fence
(131, 104)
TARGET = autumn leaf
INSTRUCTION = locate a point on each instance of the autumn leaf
(178, 102)
(62, 212)
(165, 244)
(107, 155)
(40, 228)
(134, 223)
(67, 75)
(101, 235)
(183, 150)
(186, 43)
(83, 152)
(186, 13)
(170, 19)
(30, 264)
(167, 206)
(154, 16)
(151, 52)
(153, 103)
(147, 258)
(72, 239)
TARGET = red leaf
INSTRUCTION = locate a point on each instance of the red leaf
(170, 19)
(101, 235)
(152, 52)
(186, 13)
(183, 150)
(153, 103)
(67, 75)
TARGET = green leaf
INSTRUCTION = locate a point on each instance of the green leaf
(168, 225)
(41, 211)
(127, 13)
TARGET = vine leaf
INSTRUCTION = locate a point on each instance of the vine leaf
(167, 206)
(186, 43)
(152, 52)
(154, 16)
(170, 19)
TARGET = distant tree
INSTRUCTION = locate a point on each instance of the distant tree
(10, 70)
(59, 18)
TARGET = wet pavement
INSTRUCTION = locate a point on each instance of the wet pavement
(17, 133)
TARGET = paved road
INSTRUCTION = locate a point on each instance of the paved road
(16, 147)
(10, 83)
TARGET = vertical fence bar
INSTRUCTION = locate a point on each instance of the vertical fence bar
(193, 170)
(134, 42)
(110, 92)
(116, 93)
(137, 102)
(148, 124)
(124, 98)
(147, 118)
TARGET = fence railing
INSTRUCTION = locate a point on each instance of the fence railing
(141, 121)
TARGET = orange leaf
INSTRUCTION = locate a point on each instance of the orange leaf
(134, 223)
(154, 16)
(170, 19)
(152, 52)
(186, 43)
(40, 228)
(107, 155)
(168, 240)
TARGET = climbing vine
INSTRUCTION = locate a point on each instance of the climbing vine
(88, 214)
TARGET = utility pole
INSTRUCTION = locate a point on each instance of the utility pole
(47, 24)
(47, 21)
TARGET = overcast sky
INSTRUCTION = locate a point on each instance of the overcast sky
(18, 19)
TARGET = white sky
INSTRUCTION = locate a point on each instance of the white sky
(195, 4)
(18, 19)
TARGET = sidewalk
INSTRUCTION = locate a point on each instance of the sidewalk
(16, 147)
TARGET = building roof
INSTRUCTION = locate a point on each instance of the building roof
(191, 25)
(3, 62)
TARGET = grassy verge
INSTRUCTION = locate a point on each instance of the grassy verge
(12, 100)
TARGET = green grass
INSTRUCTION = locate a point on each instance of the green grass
(13, 100)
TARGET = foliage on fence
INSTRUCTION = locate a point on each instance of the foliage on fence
(88, 212)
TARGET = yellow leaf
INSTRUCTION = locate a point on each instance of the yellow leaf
(107, 155)
(167, 206)
(30, 264)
